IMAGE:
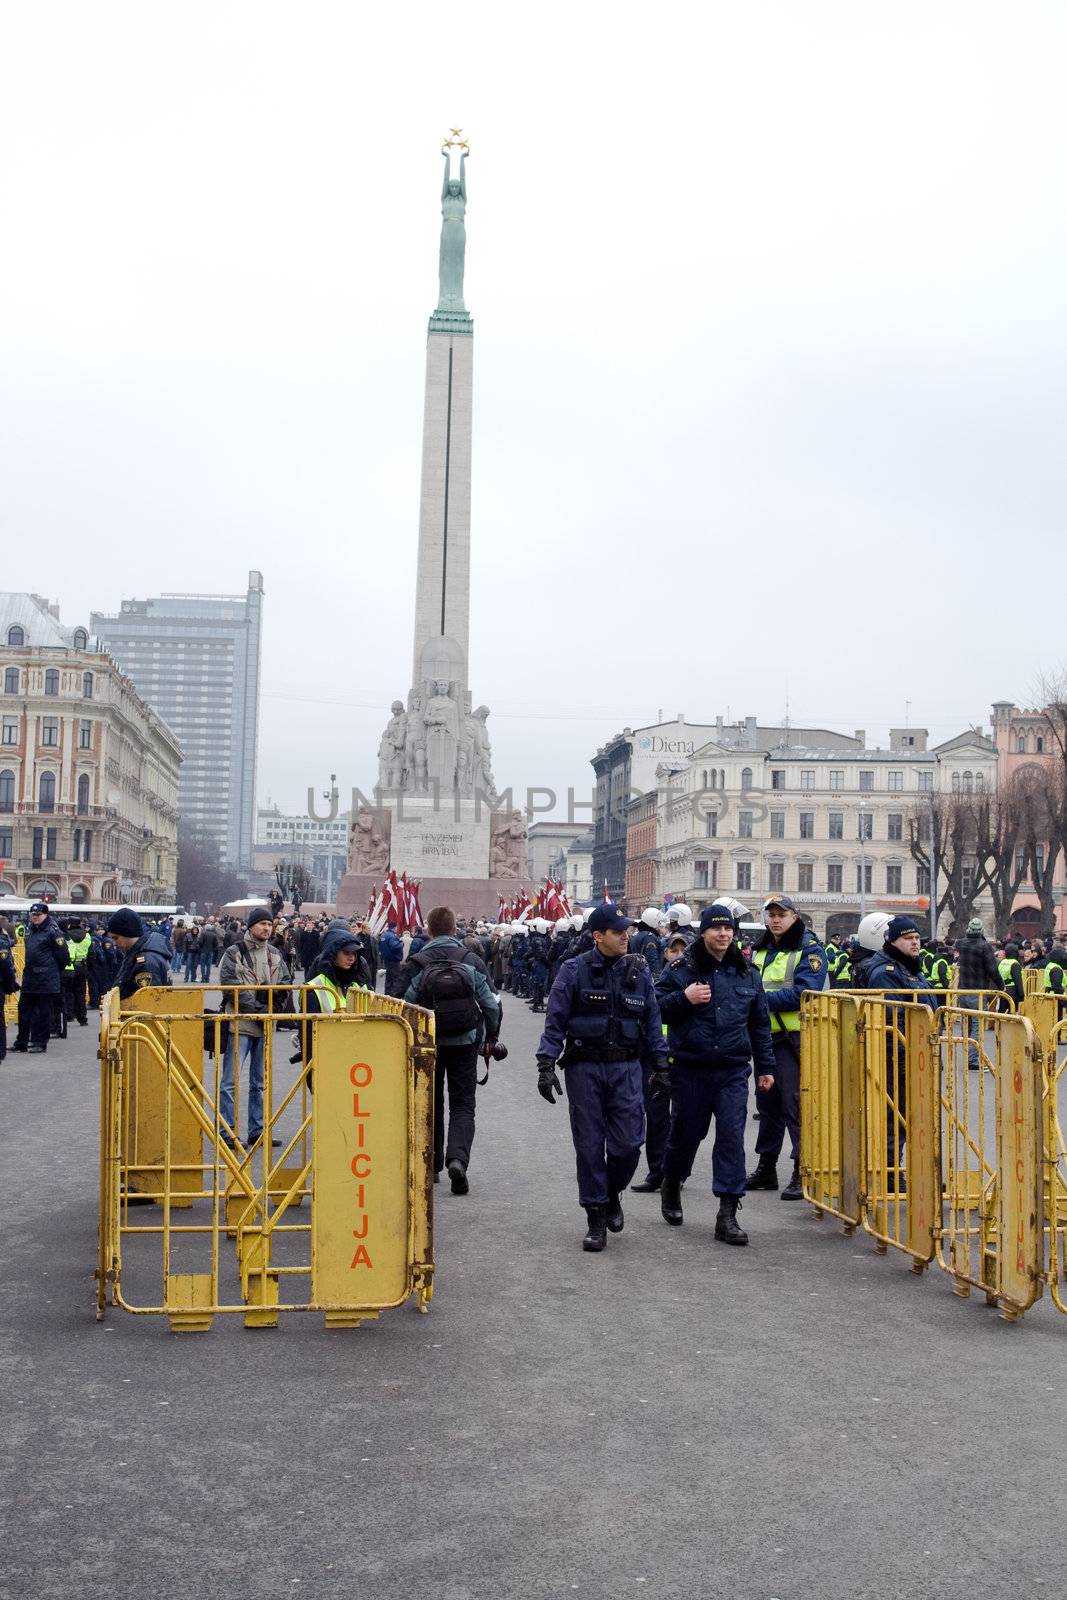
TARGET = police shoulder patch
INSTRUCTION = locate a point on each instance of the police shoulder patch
(815, 963)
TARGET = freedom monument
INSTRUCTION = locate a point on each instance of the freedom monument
(437, 816)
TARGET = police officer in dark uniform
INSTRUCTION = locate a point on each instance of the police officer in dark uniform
(717, 1020)
(537, 955)
(791, 961)
(602, 1024)
(145, 956)
(646, 941)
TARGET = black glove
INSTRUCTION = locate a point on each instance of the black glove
(548, 1085)
(659, 1083)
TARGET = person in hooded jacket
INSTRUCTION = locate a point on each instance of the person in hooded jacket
(146, 956)
(45, 952)
(340, 968)
(717, 1020)
(391, 950)
(898, 965)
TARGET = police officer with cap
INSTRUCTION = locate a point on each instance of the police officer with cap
(602, 1025)
(717, 1021)
(790, 960)
(145, 956)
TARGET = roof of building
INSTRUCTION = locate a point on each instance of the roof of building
(42, 626)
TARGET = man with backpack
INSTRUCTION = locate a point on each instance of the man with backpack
(466, 1013)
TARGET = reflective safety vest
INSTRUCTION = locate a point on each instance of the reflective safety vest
(331, 997)
(778, 974)
(78, 951)
(1004, 967)
(940, 976)
(1051, 967)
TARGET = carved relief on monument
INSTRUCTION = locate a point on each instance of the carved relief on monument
(368, 849)
(507, 847)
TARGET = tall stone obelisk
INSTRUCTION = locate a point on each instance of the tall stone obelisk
(442, 593)
(436, 815)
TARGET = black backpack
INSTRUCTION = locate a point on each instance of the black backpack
(447, 989)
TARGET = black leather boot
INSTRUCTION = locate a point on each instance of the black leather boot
(726, 1228)
(596, 1236)
(614, 1219)
(649, 1185)
(764, 1175)
(670, 1201)
(794, 1189)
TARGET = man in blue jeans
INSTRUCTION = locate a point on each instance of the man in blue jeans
(257, 966)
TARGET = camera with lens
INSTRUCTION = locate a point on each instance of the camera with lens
(496, 1051)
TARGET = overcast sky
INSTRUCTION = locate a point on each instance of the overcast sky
(769, 350)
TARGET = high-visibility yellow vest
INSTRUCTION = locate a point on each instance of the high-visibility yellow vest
(331, 998)
(1004, 968)
(1050, 968)
(778, 974)
(78, 951)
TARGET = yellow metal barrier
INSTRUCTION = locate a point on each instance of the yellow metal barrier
(956, 1163)
(347, 1127)
(11, 1001)
(1033, 981)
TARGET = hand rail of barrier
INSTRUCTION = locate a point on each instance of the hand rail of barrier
(357, 1148)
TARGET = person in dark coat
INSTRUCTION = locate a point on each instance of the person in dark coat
(42, 980)
(145, 955)
(718, 1020)
(9, 984)
(391, 950)
(977, 970)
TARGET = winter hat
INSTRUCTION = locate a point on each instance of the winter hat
(975, 925)
(127, 924)
(716, 916)
(259, 914)
(898, 927)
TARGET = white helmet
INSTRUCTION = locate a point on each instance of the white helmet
(520, 927)
(650, 916)
(871, 931)
(540, 925)
(586, 915)
(681, 914)
(563, 924)
(739, 912)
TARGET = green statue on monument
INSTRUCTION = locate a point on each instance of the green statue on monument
(453, 227)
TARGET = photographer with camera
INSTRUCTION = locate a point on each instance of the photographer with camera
(255, 963)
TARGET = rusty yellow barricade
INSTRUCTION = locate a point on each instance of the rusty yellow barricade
(329, 1209)
(831, 1106)
(1047, 1013)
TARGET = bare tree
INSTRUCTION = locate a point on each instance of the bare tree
(293, 880)
(1000, 832)
(950, 819)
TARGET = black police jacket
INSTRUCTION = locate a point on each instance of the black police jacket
(145, 964)
(645, 943)
(732, 1028)
(46, 959)
(603, 1010)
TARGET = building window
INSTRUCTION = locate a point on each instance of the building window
(955, 783)
(711, 824)
(1020, 860)
(7, 791)
(1039, 854)
(87, 845)
(87, 686)
(1020, 745)
(807, 824)
(807, 778)
(866, 781)
(50, 731)
(700, 874)
(776, 875)
(11, 680)
(81, 639)
(833, 878)
(926, 782)
(893, 880)
(777, 824)
(50, 844)
(77, 844)
(968, 783)
(896, 827)
(744, 824)
(11, 730)
(16, 637)
(896, 780)
(744, 875)
(866, 825)
(967, 875)
(805, 877)
(837, 825)
(1039, 745)
(6, 843)
(83, 794)
(979, 782)
(837, 779)
(46, 792)
(85, 736)
(778, 778)
(38, 846)
(863, 878)
(922, 880)
(746, 779)
(51, 681)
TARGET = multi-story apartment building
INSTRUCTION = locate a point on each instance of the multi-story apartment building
(1025, 739)
(319, 846)
(196, 660)
(572, 865)
(627, 766)
(827, 827)
(88, 771)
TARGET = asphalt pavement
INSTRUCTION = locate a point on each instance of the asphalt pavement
(803, 1419)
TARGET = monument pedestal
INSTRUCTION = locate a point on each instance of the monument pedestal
(468, 897)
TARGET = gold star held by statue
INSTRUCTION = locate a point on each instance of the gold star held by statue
(455, 140)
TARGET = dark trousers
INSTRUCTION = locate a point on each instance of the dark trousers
(697, 1095)
(35, 1019)
(537, 990)
(657, 1126)
(607, 1113)
(74, 997)
(457, 1064)
(779, 1108)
